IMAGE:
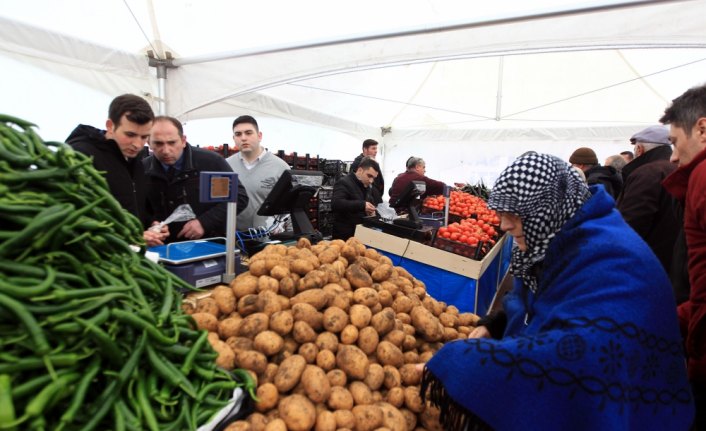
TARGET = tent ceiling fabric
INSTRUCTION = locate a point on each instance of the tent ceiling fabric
(595, 71)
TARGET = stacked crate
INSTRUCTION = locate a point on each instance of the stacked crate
(325, 214)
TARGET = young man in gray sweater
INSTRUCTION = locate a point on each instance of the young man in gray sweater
(258, 170)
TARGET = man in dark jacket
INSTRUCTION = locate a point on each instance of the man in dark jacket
(173, 178)
(370, 149)
(585, 159)
(118, 151)
(416, 169)
(644, 203)
(354, 197)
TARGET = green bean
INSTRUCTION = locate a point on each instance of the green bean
(37, 405)
(191, 356)
(82, 293)
(4, 118)
(98, 319)
(169, 372)
(79, 394)
(25, 292)
(144, 401)
(166, 303)
(29, 322)
(7, 407)
(137, 322)
(32, 386)
(60, 360)
(107, 346)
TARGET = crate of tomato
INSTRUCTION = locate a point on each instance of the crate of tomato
(462, 206)
(470, 237)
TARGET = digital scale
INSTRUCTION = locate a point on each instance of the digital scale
(205, 262)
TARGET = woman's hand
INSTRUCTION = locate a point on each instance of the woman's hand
(479, 332)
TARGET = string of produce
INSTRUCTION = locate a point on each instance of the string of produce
(92, 335)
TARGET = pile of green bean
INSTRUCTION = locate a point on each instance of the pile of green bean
(92, 335)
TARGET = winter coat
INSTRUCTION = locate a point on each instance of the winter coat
(606, 175)
(434, 187)
(646, 206)
(165, 195)
(348, 205)
(378, 183)
(126, 177)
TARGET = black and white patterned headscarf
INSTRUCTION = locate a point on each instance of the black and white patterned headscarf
(545, 192)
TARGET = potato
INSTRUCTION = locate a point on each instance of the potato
(450, 334)
(251, 360)
(392, 418)
(410, 417)
(253, 325)
(392, 377)
(368, 339)
(248, 305)
(239, 343)
(349, 253)
(316, 297)
(257, 267)
(238, 426)
(225, 299)
(265, 282)
(367, 263)
(344, 419)
(301, 266)
(337, 377)
(206, 321)
(332, 275)
(426, 324)
(390, 287)
(385, 298)
(410, 375)
(468, 319)
(349, 335)
(360, 315)
(208, 305)
(289, 373)
(429, 419)
(307, 313)
(288, 286)
(334, 319)
(327, 341)
(382, 272)
(340, 399)
(228, 327)
(367, 417)
(448, 320)
(375, 377)
(325, 421)
(268, 342)
(303, 333)
(258, 421)
(226, 356)
(268, 397)
(413, 400)
(279, 272)
(245, 285)
(268, 302)
(411, 357)
(329, 255)
(309, 352)
(384, 321)
(358, 277)
(316, 279)
(361, 393)
(316, 385)
(326, 360)
(282, 322)
(276, 425)
(303, 242)
(396, 337)
(395, 396)
(389, 354)
(297, 412)
(268, 376)
(353, 361)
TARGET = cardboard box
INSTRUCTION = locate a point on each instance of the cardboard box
(454, 279)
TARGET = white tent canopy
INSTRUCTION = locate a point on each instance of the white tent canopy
(465, 86)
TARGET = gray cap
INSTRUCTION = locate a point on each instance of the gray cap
(652, 135)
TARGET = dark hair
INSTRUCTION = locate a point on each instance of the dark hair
(686, 109)
(369, 162)
(369, 143)
(172, 120)
(135, 109)
(628, 153)
(246, 119)
(413, 162)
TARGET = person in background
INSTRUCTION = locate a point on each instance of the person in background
(617, 162)
(569, 350)
(353, 198)
(628, 156)
(585, 159)
(687, 120)
(258, 170)
(370, 149)
(416, 169)
(118, 151)
(643, 202)
(173, 178)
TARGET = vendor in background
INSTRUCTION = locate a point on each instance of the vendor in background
(354, 197)
(258, 170)
(416, 169)
(118, 151)
(569, 348)
(370, 149)
(173, 178)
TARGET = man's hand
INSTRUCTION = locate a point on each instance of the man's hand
(153, 238)
(192, 230)
(369, 209)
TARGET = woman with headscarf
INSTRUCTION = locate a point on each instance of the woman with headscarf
(588, 339)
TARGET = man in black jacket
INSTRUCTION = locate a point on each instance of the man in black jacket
(354, 197)
(370, 149)
(118, 151)
(644, 203)
(585, 159)
(173, 178)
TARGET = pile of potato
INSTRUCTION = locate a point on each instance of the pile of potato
(333, 333)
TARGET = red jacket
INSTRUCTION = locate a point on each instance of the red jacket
(688, 184)
(434, 187)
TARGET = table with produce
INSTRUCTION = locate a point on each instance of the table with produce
(94, 336)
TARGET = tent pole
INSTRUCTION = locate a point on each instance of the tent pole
(161, 65)
(499, 96)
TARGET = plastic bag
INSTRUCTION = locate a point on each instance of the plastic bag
(181, 213)
(387, 213)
